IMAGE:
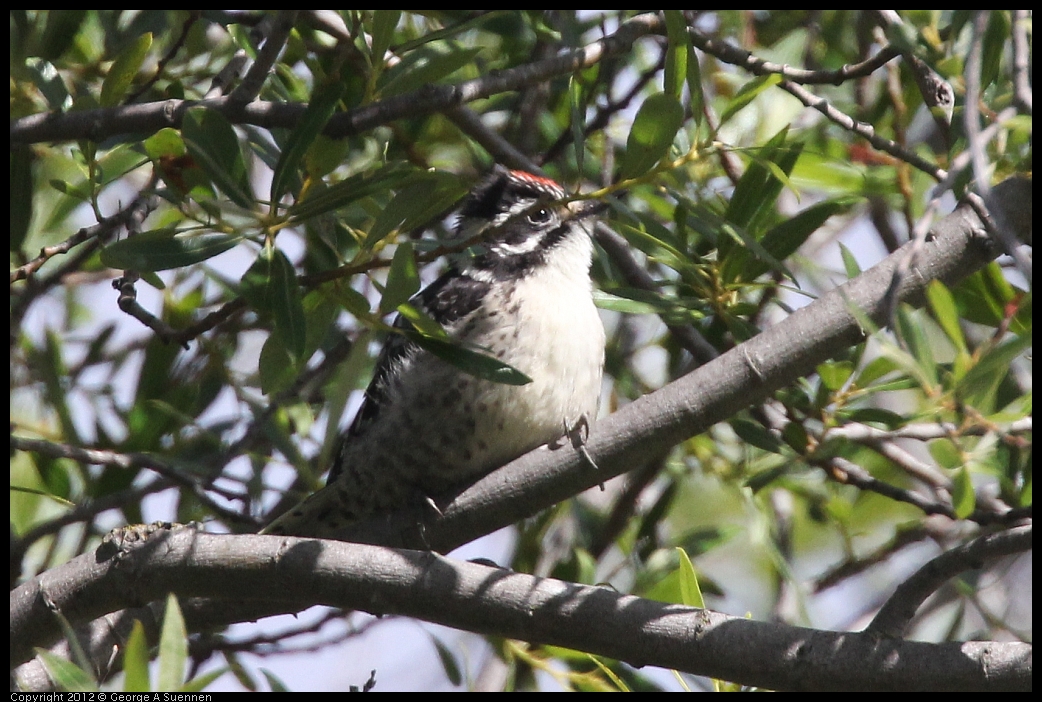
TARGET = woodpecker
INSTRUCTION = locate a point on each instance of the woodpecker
(523, 296)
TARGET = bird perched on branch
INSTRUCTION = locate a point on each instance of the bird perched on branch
(524, 298)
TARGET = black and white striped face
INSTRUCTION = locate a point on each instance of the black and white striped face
(523, 218)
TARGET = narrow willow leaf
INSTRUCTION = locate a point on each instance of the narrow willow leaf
(964, 500)
(977, 387)
(758, 188)
(123, 70)
(173, 648)
(135, 661)
(403, 279)
(747, 94)
(420, 199)
(384, 23)
(448, 662)
(163, 249)
(21, 193)
(426, 66)
(690, 592)
(676, 53)
(475, 363)
(270, 286)
(754, 434)
(834, 374)
(320, 108)
(349, 190)
(287, 305)
(212, 142)
(651, 135)
(850, 264)
(67, 676)
(946, 312)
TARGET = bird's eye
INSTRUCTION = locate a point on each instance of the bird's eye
(540, 216)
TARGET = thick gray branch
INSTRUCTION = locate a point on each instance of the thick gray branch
(496, 601)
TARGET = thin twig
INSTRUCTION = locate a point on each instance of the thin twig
(193, 17)
(253, 81)
(893, 618)
(103, 230)
(1021, 61)
(131, 461)
(732, 54)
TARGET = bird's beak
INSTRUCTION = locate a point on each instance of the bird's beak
(587, 208)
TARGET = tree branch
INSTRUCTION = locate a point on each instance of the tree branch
(148, 118)
(898, 611)
(496, 601)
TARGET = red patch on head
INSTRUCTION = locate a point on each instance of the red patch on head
(535, 179)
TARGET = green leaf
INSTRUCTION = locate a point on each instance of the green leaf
(423, 197)
(135, 661)
(21, 193)
(780, 242)
(873, 415)
(637, 301)
(173, 648)
(610, 674)
(690, 592)
(850, 264)
(166, 142)
(403, 280)
(384, 22)
(754, 434)
(325, 155)
(946, 312)
(320, 201)
(682, 64)
(758, 188)
(67, 676)
(123, 70)
(651, 135)
(426, 66)
(271, 287)
(983, 296)
(475, 363)
(199, 682)
(448, 662)
(834, 374)
(946, 453)
(163, 249)
(978, 386)
(274, 682)
(212, 142)
(458, 27)
(747, 94)
(676, 53)
(993, 43)
(577, 105)
(60, 31)
(275, 367)
(422, 322)
(964, 500)
(320, 108)
(914, 336)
